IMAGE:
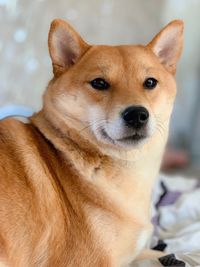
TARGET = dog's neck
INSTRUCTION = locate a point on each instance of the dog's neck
(77, 150)
(64, 138)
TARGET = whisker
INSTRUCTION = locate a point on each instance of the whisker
(99, 121)
(159, 126)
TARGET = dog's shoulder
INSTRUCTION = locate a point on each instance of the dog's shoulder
(11, 128)
(14, 131)
(19, 139)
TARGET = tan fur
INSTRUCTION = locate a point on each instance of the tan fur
(66, 197)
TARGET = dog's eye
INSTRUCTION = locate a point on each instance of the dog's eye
(99, 84)
(150, 83)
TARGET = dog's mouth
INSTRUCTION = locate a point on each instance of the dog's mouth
(133, 139)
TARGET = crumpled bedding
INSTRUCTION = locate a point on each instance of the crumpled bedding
(176, 219)
(174, 260)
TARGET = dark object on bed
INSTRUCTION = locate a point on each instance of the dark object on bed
(170, 260)
(160, 246)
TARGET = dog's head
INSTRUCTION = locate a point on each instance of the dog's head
(117, 96)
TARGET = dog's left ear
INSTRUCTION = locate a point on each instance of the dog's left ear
(65, 46)
(167, 45)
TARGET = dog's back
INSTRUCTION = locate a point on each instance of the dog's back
(24, 188)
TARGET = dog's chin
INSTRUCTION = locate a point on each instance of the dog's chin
(127, 142)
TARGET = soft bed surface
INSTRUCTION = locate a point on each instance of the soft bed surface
(176, 217)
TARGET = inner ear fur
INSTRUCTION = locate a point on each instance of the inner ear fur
(66, 46)
(167, 45)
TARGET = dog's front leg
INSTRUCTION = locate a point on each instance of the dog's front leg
(147, 254)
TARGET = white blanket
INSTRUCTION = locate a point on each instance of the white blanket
(176, 211)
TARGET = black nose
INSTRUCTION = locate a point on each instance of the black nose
(135, 116)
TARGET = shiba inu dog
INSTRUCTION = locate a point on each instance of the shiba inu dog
(76, 181)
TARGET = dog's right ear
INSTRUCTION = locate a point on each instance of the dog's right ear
(65, 46)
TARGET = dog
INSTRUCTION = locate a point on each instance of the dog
(76, 180)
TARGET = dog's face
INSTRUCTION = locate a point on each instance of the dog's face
(119, 95)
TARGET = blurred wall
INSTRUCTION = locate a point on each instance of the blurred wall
(185, 125)
(26, 67)
(25, 64)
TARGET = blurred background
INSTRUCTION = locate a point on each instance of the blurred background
(26, 67)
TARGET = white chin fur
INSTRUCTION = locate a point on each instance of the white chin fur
(115, 133)
(123, 141)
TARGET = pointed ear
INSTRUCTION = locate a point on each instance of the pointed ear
(65, 46)
(168, 43)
